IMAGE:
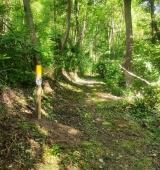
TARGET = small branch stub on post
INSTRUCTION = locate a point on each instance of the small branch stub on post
(38, 90)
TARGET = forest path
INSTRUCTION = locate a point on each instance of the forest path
(83, 127)
(98, 133)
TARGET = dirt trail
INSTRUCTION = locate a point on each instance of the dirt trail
(98, 118)
(83, 127)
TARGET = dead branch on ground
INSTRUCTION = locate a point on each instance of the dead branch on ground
(139, 78)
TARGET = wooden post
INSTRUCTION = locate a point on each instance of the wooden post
(38, 101)
(38, 90)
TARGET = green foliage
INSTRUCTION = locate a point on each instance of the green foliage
(56, 149)
(99, 50)
(69, 59)
(151, 96)
(17, 69)
(86, 65)
(112, 74)
(146, 61)
(3, 9)
(149, 99)
(45, 55)
(19, 55)
(146, 106)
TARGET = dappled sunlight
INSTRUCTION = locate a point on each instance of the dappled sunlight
(43, 112)
(75, 78)
(74, 95)
(108, 96)
(102, 97)
(34, 146)
(72, 166)
(49, 161)
(13, 99)
(72, 88)
(43, 130)
(81, 128)
(70, 130)
(88, 82)
(59, 132)
(47, 88)
(10, 98)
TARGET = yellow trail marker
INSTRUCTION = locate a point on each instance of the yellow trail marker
(38, 70)
(38, 90)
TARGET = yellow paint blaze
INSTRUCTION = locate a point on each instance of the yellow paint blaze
(38, 70)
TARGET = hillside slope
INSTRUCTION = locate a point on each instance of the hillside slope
(83, 127)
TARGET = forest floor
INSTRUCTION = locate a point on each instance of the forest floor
(83, 127)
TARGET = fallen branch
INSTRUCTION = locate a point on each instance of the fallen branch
(139, 78)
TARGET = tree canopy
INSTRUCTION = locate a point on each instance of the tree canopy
(81, 35)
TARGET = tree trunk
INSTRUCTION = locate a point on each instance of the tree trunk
(82, 34)
(154, 27)
(152, 20)
(55, 19)
(67, 26)
(58, 70)
(30, 24)
(156, 30)
(129, 42)
(5, 24)
(33, 39)
(77, 21)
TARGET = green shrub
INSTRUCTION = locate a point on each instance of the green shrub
(145, 109)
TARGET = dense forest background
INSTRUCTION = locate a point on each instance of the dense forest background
(86, 37)
(101, 84)
(119, 40)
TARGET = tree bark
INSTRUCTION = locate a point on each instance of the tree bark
(30, 24)
(154, 27)
(82, 34)
(67, 26)
(4, 24)
(77, 21)
(129, 42)
(152, 20)
(55, 19)
(156, 30)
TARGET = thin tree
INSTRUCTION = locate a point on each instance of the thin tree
(64, 40)
(154, 27)
(30, 24)
(129, 42)
(33, 39)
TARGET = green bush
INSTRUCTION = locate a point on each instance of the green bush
(147, 104)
